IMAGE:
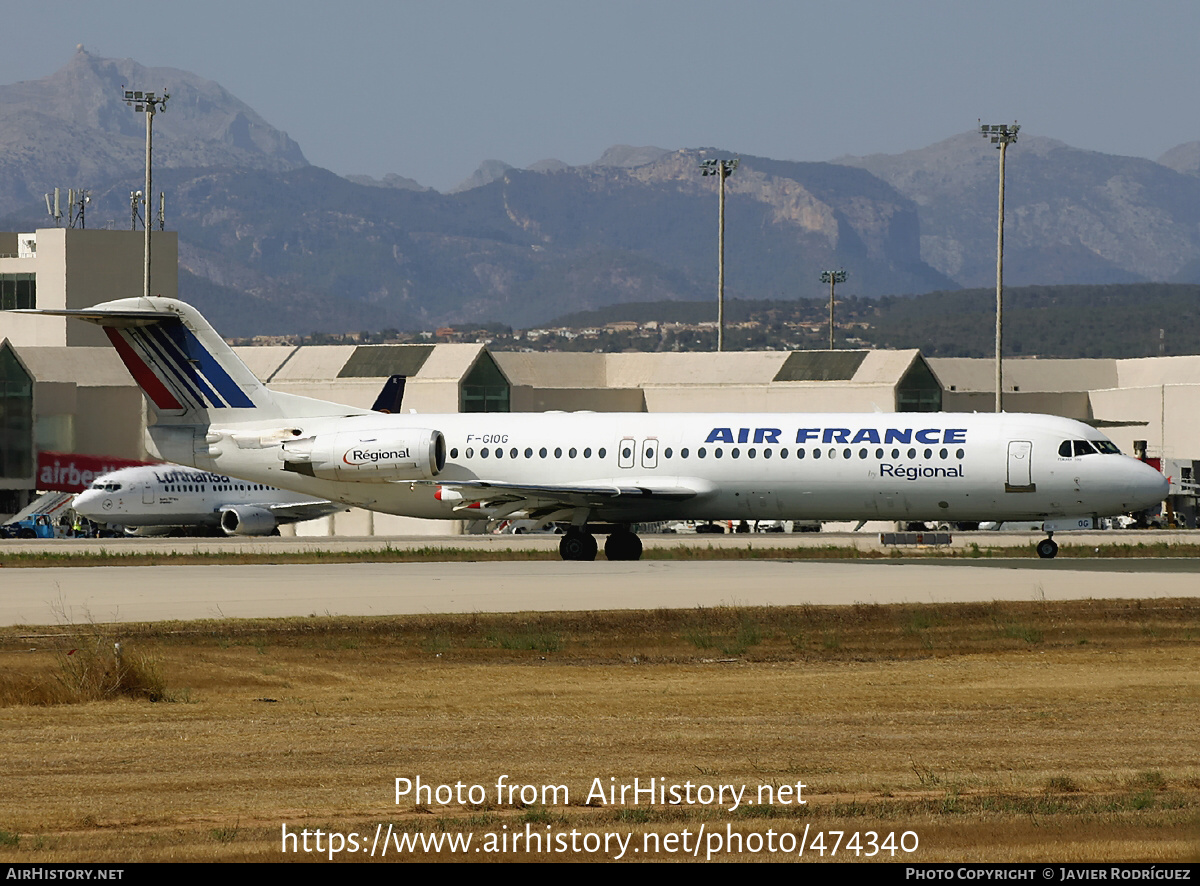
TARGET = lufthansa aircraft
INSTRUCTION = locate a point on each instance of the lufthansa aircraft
(604, 472)
(154, 498)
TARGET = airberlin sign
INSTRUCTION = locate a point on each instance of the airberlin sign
(68, 472)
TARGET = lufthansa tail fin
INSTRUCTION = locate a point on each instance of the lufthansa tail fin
(391, 397)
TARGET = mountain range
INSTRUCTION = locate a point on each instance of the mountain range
(272, 244)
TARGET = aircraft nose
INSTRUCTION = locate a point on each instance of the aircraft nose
(1147, 484)
(87, 502)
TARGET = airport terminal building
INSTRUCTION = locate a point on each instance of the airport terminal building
(63, 389)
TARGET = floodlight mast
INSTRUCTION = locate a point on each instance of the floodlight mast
(148, 103)
(833, 278)
(1001, 135)
(723, 169)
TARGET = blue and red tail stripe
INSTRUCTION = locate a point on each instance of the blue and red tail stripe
(162, 353)
(171, 364)
(158, 393)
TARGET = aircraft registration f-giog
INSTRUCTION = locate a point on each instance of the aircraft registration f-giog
(606, 471)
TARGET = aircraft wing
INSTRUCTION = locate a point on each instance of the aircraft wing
(479, 489)
(540, 500)
(298, 511)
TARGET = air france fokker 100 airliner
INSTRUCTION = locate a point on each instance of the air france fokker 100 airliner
(604, 472)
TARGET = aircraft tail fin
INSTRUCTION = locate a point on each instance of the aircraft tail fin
(189, 375)
(391, 398)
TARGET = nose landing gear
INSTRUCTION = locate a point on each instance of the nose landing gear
(1047, 548)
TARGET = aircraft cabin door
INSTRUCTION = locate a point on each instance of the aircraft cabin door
(148, 494)
(650, 452)
(626, 452)
(1020, 478)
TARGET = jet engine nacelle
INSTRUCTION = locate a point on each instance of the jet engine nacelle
(371, 455)
(242, 520)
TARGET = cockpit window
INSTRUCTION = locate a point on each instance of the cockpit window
(106, 487)
(1076, 448)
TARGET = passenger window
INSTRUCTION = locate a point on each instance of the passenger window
(542, 452)
(572, 452)
(587, 453)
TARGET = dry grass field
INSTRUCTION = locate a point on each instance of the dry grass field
(997, 732)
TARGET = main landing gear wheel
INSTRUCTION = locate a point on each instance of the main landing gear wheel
(577, 545)
(623, 545)
(1047, 549)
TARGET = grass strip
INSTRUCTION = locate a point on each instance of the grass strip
(438, 554)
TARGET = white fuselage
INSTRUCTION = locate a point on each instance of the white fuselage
(902, 466)
(170, 495)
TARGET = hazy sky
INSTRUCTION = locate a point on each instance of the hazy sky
(429, 90)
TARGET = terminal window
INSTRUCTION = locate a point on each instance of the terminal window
(918, 390)
(485, 389)
(16, 417)
(17, 291)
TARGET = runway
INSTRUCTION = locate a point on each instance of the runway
(61, 595)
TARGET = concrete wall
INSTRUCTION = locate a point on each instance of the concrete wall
(104, 265)
(79, 268)
(96, 431)
(359, 522)
(526, 398)
(1171, 414)
(779, 397)
(1070, 404)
